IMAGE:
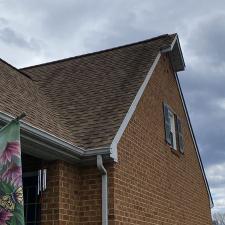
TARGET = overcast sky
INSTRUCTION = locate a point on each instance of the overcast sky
(34, 31)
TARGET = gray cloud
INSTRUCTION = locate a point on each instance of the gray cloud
(9, 36)
(203, 85)
(40, 31)
(212, 35)
(3, 21)
(207, 115)
(216, 179)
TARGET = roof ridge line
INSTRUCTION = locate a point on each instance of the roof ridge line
(96, 52)
(14, 68)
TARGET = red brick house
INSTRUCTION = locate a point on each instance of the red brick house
(112, 130)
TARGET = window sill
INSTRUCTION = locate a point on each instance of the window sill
(175, 152)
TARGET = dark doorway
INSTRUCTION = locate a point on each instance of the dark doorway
(32, 204)
(32, 200)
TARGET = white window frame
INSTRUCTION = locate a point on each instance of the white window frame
(173, 129)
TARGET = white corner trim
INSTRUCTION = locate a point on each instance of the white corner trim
(170, 48)
(194, 140)
(174, 42)
(113, 147)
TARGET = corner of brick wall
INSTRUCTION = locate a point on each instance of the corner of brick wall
(152, 185)
(149, 185)
(50, 198)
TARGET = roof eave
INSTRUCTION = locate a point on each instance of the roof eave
(177, 68)
(44, 145)
(176, 55)
(168, 49)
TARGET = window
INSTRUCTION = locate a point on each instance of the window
(173, 129)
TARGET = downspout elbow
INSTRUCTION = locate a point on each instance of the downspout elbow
(103, 172)
(100, 165)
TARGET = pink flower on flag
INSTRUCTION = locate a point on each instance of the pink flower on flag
(12, 149)
(13, 175)
(4, 216)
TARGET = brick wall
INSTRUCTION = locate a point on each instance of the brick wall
(69, 187)
(73, 195)
(90, 196)
(60, 201)
(149, 185)
(50, 198)
(154, 185)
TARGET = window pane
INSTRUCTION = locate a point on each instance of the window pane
(173, 130)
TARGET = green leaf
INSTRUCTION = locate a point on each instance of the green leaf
(12, 221)
(20, 219)
(6, 188)
(19, 209)
(19, 214)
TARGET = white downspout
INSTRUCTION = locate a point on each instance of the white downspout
(103, 172)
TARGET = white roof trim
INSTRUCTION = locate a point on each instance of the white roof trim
(131, 110)
(134, 104)
(194, 141)
(113, 147)
(170, 48)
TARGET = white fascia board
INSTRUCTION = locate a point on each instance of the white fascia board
(170, 48)
(134, 104)
(181, 54)
(113, 147)
(194, 141)
(40, 133)
(53, 142)
(131, 110)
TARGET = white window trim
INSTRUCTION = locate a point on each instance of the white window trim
(173, 129)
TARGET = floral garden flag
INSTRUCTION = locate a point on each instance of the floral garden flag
(11, 191)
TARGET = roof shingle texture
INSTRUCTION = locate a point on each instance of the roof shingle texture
(20, 94)
(88, 96)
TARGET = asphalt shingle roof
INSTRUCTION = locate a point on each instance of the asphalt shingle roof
(20, 94)
(84, 99)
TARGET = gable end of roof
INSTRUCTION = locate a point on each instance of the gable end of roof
(178, 65)
(176, 55)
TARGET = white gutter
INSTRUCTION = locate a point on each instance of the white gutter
(30, 132)
(103, 172)
(74, 150)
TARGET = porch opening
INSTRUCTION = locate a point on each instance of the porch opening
(31, 189)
